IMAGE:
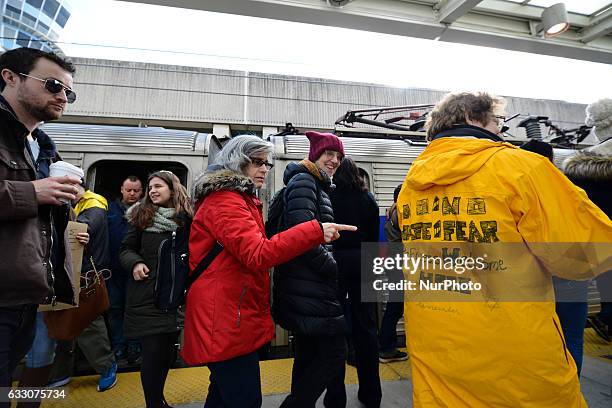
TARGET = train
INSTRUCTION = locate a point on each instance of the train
(109, 153)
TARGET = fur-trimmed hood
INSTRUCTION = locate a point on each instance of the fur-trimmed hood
(223, 179)
(587, 165)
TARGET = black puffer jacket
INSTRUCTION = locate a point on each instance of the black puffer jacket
(305, 289)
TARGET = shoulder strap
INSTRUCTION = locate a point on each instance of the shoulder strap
(207, 260)
(204, 263)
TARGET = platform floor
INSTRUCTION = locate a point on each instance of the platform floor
(186, 387)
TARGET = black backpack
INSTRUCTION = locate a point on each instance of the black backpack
(274, 225)
(173, 280)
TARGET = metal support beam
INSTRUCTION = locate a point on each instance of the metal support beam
(491, 23)
(453, 9)
(601, 26)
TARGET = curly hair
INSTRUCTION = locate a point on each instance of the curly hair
(458, 108)
(143, 213)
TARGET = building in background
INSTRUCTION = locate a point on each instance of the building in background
(33, 23)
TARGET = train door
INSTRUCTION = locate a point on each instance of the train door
(105, 176)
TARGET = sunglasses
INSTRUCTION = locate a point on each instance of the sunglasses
(258, 162)
(54, 86)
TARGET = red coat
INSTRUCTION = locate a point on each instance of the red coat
(228, 307)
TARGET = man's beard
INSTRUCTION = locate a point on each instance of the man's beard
(41, 114)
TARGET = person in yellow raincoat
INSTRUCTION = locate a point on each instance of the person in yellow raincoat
(506, 349)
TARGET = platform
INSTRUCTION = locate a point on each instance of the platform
(186, 387)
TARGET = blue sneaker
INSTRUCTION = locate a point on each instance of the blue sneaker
(108, 379)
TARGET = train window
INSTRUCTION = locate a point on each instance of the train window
(109, 174)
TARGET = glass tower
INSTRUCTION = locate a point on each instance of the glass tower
(33, 23)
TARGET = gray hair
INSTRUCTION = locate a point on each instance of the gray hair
(236, 154)
(599, 115)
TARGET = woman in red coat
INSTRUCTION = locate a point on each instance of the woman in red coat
(228, 307)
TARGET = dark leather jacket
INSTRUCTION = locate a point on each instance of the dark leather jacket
(27, 272)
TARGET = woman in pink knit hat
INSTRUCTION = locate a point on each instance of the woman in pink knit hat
(305, 288)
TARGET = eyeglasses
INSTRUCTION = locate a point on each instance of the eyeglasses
(332, 153)
(258, 163)
(501, 120)
(54, 86)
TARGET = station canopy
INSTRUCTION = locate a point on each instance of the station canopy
(506, 24)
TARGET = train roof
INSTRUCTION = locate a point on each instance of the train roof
(297, 147)
(122, 136)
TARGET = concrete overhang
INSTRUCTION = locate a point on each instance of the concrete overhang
(491, 23)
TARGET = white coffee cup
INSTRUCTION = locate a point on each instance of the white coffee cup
(63, 168)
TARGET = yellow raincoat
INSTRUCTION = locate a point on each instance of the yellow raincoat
(494, 354)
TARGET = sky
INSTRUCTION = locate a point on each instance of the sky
(117, 30)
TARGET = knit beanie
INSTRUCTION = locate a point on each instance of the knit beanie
(320, 142)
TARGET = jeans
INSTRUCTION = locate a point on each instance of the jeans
(572, 314)
(42, 352)
(235, 383)
(17, 325)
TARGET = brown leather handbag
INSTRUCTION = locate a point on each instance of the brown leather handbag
(93, 301)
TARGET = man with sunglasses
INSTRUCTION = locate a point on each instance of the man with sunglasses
(35, 87)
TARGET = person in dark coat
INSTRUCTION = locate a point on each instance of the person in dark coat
(90, 209)
(353, 204)
(27, 201)
(306, 289)
(570, 296)
(40, 358)
(131, 192)
(164, 210)
(394, 309)
(591, 169)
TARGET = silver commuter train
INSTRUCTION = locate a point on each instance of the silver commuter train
(109, 153)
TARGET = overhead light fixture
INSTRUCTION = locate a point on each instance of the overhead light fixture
(338, 3)
(554, 21)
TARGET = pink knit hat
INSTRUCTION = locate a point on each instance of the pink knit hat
(320, 142)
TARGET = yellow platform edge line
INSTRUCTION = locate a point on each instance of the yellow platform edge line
(187, 385)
